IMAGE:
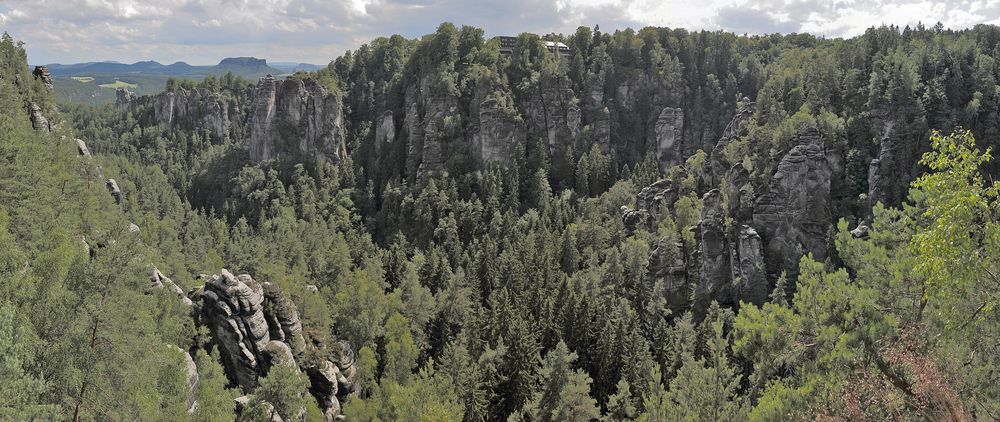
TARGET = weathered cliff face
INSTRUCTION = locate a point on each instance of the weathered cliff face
(255, 326)
(500, 131)
(296, 116)
(552, 113)
(669, 137)
(232, 309)
(714, 282)
(38, 120)
(748, 267)
(42, 73)
(794, 215)
(191, 109)
(719, 165)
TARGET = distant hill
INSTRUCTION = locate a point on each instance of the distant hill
(95, 82)
(289, 67)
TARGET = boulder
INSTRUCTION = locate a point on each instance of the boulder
(112, 186)
(82, 148)
(133, 228)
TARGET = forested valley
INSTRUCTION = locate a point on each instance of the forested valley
(651, 225)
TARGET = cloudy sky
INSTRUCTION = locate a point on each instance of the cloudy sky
(204, 31)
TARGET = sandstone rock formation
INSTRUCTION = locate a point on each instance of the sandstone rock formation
(255, 326)
(296, 116)
(112, 186)
(42, 73)
(794, 215)
(191, 369)
(125, 99)
(159, 281)
(748, 267)
(38, 121)
(719, 165)
(669, 137)
(82, 148)
(232, 309)
(501, 129)
(715, 277)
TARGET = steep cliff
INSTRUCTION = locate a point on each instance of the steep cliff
(297, 116)
(794, 215)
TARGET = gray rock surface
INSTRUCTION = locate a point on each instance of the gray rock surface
(82, 148)
(749, 267)
(38, 121)
(116, 192)
(501, 129)
(719, 165)
(232, 309)
(42, 73)
(296, 116)
(669, 137)
(715, 278)
(794, 215)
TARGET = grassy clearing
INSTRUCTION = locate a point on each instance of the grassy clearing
(119, 84)
(82, 79)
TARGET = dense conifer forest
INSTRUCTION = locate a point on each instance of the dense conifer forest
(652, 225)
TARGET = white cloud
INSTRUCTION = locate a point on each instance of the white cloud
(204, 31)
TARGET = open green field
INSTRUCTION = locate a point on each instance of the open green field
(82, 79)
(119, 84)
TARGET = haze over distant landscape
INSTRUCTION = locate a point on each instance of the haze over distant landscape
(314, 31)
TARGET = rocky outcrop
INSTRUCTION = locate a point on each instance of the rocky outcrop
(125, 99)
(81, 147)
(719, 165)
(232, 309)
(191, 370)
(552, 113)
(501, 130)
(38, 121)
(242, 403)
(794, 214)
(116, 192)
(42, 73)
(385, 130)
(159, 281)
(668, 271)
(714, 282)
(748, 267)
(669, 137)
(283, 319)
(297, 116)
(255, 326)
(648, 203)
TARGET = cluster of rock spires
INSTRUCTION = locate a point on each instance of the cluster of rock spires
(297, 116)
(764, 237)
(255, 327)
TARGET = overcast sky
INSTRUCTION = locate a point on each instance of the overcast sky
(315, 31)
